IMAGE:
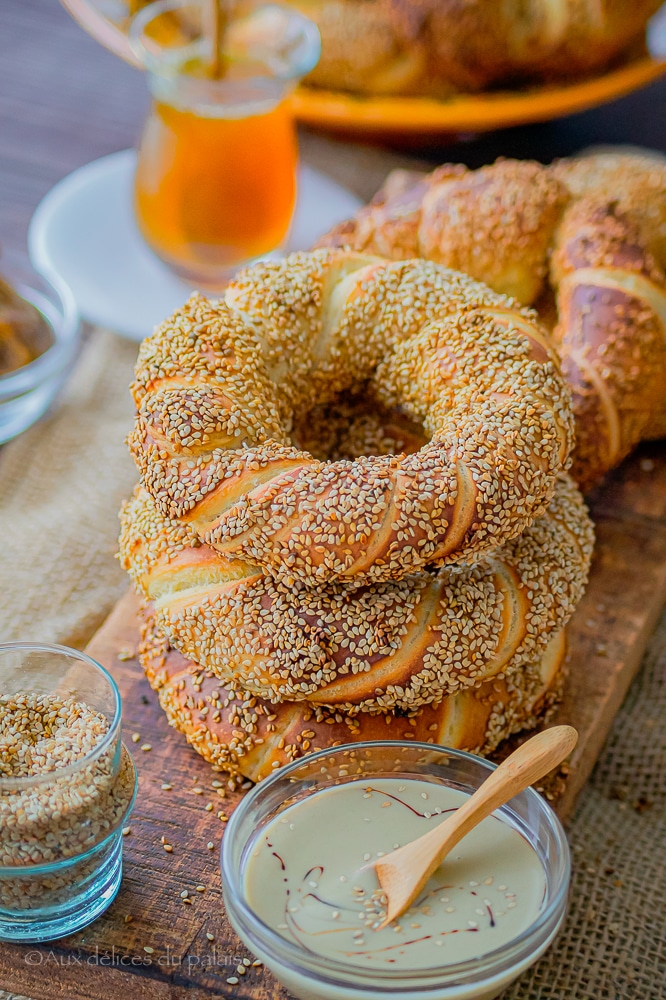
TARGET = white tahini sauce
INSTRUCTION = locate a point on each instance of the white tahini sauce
(308, 877)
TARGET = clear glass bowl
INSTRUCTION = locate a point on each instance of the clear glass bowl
(312, 977)
(61, 829)
(27, 392)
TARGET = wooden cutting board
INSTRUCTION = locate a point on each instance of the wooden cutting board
(151, 944)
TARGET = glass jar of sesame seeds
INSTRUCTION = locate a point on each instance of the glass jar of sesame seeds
(67, 785)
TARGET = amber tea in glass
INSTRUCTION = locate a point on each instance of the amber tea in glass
(216, 177)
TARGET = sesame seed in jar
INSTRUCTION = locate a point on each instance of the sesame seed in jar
(42, 734)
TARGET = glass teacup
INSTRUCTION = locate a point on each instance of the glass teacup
(216, 177)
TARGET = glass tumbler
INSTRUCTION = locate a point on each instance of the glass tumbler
(67, 786)
(215, 183)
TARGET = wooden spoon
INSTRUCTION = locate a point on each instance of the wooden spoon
(403, 873)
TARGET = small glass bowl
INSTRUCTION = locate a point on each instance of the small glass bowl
(27, 392)
(61, 830)
(313, 977)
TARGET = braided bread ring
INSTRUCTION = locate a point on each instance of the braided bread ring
(219, 386)
(611, 333)
(501, 223)
(244, 735)
(392, 645)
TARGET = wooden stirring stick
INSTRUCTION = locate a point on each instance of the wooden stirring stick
(403, 873)
(219, 21)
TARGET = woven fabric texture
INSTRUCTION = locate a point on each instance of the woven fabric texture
(61, 485)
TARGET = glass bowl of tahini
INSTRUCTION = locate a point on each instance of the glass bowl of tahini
(67, 786)
(301, 892)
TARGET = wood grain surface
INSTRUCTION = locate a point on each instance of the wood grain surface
(606, 640)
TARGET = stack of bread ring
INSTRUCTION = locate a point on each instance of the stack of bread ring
(354, 519)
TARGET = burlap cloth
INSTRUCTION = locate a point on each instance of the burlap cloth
(61, 484)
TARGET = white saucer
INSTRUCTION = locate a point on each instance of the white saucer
(84, 231)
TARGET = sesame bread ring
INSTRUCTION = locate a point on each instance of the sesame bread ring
(243, 735)
(392, 645)
(219, 387)
(596, 226)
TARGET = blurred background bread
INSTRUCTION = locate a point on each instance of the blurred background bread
(439, 47)
(442, 47)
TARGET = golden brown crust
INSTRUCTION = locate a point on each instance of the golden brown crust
(219, 386)
(244, 735)
(437, 47)
(495, 224)
(607, 295)
(634, 180)
(392, 645)
(611, 331)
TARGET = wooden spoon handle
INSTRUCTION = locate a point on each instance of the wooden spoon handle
(403, 873)
(523, 767)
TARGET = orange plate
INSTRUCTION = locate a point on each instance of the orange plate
(469, 112)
